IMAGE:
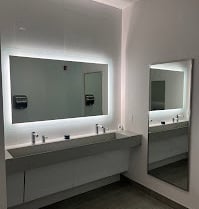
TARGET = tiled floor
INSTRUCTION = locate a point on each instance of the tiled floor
(116, 196)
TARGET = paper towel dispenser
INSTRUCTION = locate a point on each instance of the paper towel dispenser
(89, 99)
(20, 101)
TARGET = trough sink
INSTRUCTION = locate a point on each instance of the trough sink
(29, 156)
(64, 144)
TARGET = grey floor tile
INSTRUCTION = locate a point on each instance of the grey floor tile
(115, 196)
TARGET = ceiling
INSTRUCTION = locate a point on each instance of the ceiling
(120, 4)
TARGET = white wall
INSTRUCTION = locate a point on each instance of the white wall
(160, 31)
(80, 30)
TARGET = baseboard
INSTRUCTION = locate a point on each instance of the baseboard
(153, 194)
(167, 161)
(42, 202)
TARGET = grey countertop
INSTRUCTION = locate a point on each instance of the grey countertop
(29, 157)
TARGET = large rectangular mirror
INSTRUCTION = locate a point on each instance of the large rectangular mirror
(43, 89)
(169, 122)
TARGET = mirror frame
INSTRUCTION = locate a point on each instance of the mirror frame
(189, 127)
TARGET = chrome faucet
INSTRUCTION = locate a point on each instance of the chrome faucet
(97, 128)
(34, 136)
(104, 130)
(44, 139)
(177, 117)
(100, 126)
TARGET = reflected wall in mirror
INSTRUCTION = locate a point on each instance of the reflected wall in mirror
(43, 89)
(166, 89)
(169, 122)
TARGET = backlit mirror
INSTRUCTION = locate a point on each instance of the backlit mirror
(169, 122)
(43, 89)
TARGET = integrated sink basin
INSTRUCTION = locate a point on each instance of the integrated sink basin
(64, 144)
(34, 156)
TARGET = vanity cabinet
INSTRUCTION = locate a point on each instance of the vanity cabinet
(44, 181)
(168, 147)
(48, 180)
(100, 166)
(37, 172)
(15, 189)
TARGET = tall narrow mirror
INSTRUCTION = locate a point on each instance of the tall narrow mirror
(169, 122)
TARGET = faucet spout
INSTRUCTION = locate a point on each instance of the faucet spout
(100, 126)
(34, 136)
(97, 126)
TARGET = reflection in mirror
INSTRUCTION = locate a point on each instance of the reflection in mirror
(43, 89)
(166, 89)
(169, 122)
(157, 95)
(93, 93)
